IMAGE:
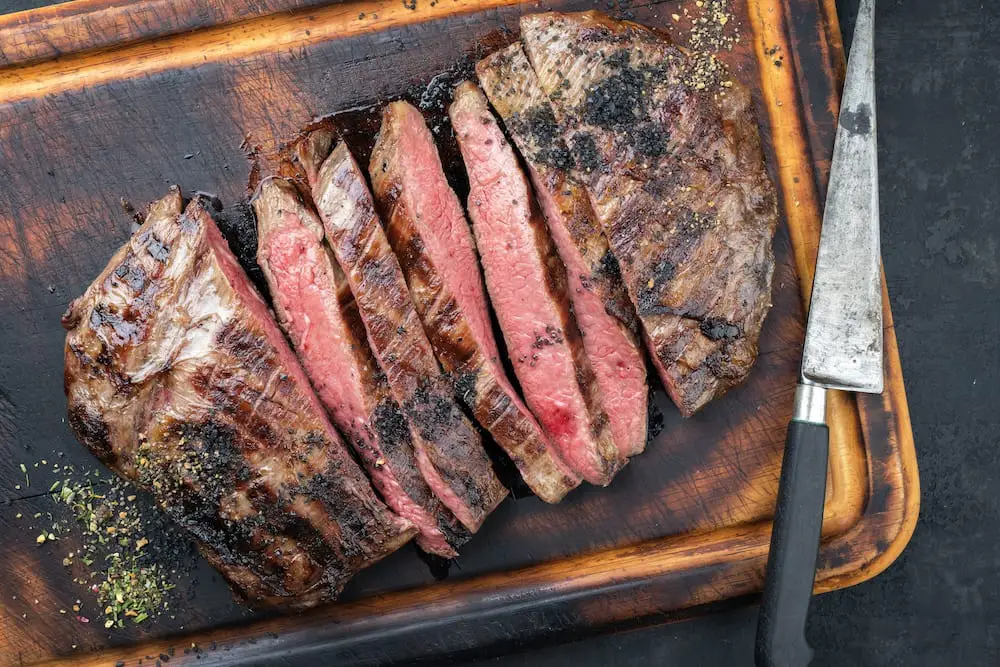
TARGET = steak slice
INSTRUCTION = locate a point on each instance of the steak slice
(316, 309)
(447, 446)
(677, 179)
(603, 311)
(527, 285)
(429, 233)
(178, 379)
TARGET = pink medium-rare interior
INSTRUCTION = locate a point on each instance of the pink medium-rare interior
(249, 297)
(500, 208)
(442, 223)
(617, 360)
(308, 296)
(345, 203)
(307, 287)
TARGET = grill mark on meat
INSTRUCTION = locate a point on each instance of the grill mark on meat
(676, 178)
(447, 447)
(517, 254)
(427, 228)
(219, 423)
(315, 307)
(606, 317)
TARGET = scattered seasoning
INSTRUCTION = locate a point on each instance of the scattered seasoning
(709, 32)
(129, 579)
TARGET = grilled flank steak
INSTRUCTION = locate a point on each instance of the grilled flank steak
(447, 446)
(316, 309)
(676, 176)
(178, 379)
(430, 235)
(527, 285)
(603, 311)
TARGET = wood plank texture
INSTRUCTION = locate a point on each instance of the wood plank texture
(151, 94)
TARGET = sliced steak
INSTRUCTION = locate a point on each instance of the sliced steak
(527, 285)
(675, 173)
(447, 446)
(316, 309)
(178, 379)
(603, 311)
(429, 233)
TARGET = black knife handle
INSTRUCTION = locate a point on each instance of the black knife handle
(791, 563)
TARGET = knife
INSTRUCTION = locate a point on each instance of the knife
(843, 350)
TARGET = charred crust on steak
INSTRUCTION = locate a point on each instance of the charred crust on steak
(390, 424)
(93, 431)
(156, 248)
(588, 158)
(715, 328)
(465, 388)
(538, 124)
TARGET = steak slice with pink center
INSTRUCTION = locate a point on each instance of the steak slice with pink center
(606, 317)
(178, 379)
(447, 446)
(675, 172)
(527, 285)
(318, 313)
(428, 230)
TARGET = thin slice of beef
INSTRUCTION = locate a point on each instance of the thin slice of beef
(429, 233)
(178, 379)
(675, 172)
(315, 307)
(606, 317)
(527, 285)
(447, 446)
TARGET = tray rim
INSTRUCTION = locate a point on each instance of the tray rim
(896, 520)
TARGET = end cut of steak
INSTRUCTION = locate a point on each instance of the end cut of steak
(675, 173)
(603, 311)
(429, 233)
(447, 446)
(527, 285)
(316, 309)
(178, 379)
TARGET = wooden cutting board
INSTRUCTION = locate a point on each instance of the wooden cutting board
(101, 99)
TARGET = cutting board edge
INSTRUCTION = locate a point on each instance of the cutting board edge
(64, 29)
(887, 520)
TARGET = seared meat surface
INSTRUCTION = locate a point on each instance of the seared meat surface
(528, 288)
(178, 379)
(618, 204)
(316, 309)
(430, 235)
(603, 311)
(676, 177)
(447, 446)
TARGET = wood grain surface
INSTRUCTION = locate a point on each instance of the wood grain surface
(124, 112)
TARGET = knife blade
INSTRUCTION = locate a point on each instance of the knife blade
(843, 350)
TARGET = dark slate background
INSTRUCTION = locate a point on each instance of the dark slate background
(938, 71)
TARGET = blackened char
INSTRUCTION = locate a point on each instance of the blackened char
(429, 233)
(316, 309)
(447, 446)
(676, 176)
(527, 286)
(606, 317)
(178, 379)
